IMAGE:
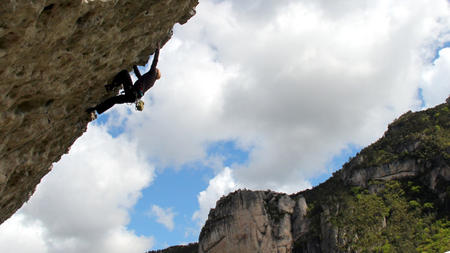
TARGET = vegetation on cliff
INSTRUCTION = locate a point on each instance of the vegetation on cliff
(190, 248)
(403, 215)
(422, 135)
(394, 196)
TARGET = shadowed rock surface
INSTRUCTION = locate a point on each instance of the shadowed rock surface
(394, 196)
(55, 57)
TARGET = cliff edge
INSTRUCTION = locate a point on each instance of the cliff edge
(55, 57)
(394, 196)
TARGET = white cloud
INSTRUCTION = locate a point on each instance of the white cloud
(164, 216)
(17, 234)
(222, 184)
(82, 204)
(436, 86)
(298, 81)
(292, 82)
(181, 107)
(122, 240)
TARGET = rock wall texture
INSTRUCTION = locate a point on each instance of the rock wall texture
(415, 151)
(417, 144)
(55, 57)
(266, 222)
(248, 221)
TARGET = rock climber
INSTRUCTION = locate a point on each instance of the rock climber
(133, 93)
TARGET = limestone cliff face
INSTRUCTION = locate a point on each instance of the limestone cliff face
(267, 222)
(417, 144)
(55, 57)
(247, 221)
(370, 204)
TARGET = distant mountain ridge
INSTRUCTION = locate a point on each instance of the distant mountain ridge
(394, 196)
(190, 248)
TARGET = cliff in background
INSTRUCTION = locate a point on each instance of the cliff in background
(55, 57)
(394, 196)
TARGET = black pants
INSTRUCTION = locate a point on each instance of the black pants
(123, 77)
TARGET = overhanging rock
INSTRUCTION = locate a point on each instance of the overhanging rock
(55, 57)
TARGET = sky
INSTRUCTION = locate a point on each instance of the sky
(254, 94)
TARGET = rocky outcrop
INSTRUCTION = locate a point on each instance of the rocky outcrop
(247, 221)
(55, 57)
(360, 208)
(420, 148)
(264, 221)
(398, 170)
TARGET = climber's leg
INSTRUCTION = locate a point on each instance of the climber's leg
(110, 102)
(123, 77)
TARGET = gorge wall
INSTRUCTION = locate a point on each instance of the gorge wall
(392, 197)
(56, 55)
(248, 221)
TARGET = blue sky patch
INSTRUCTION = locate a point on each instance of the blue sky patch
(229, 151)
(175, 189)
(336, 163)
(113, 130)
(178, 189)
(436, 54)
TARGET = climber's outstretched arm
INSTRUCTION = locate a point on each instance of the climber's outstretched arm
(155, 60)
(136, 71)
